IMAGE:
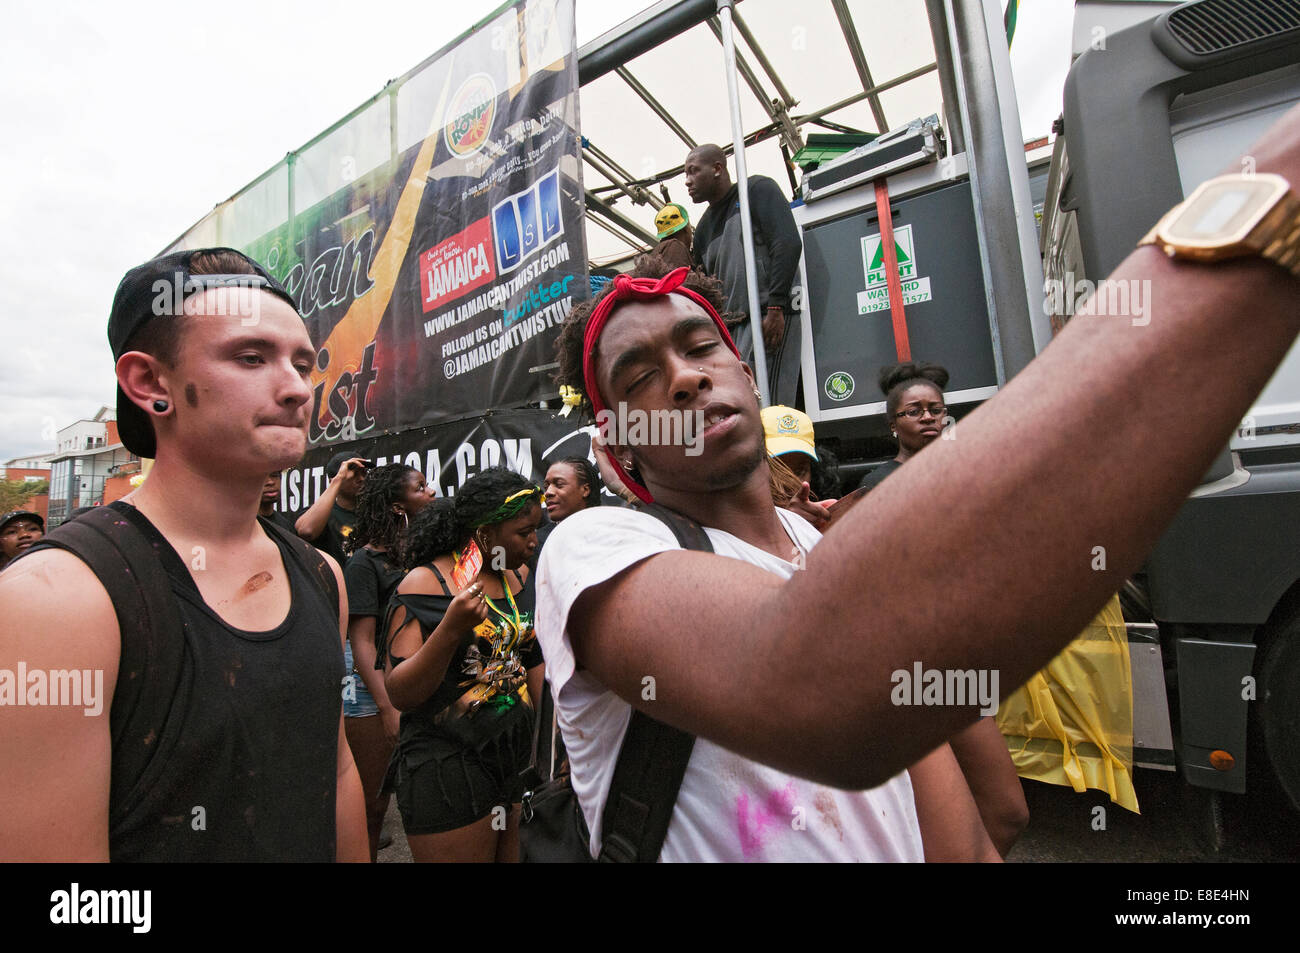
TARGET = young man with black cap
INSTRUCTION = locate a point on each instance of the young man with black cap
(18, 530)
(224, 738)
(328, 521)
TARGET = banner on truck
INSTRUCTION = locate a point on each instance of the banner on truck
(434, 238)
(449, 454)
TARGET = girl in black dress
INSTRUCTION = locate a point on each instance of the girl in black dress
(462, 664)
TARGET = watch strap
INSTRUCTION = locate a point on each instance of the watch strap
(1285, 246)
(1283, 221)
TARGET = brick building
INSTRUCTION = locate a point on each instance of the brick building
(30, 469)
(90, 466)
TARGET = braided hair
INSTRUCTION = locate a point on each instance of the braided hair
(374, 520)
(587, 474)
(448, 524)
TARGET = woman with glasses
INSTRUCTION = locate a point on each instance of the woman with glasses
(390, 498)
(463, 666)
(915, 406)
(915, 409)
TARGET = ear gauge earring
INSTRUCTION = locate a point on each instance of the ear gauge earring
(160, 406)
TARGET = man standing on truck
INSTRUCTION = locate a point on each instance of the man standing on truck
(719, 248)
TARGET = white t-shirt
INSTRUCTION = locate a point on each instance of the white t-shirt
(729, 808)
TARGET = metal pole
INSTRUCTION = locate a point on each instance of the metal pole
(867, 93)
(947, 76)
(763, 61)
(654, 104)
(596, 204)
(742, 180)
(993, 138)
(859, 60)
(774, 108)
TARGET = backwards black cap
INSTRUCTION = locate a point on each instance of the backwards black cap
(156, 289)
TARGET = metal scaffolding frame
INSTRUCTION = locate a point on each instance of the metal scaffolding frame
(660, 24)
(979, 119)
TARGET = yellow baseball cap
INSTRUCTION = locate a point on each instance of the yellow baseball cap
(672, 218)
(788, 431)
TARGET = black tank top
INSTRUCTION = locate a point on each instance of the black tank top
(440, 726)
(246, 762)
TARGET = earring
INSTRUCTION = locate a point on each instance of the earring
(160, 406)
(758, 393)
(701, 370)
(894, 434)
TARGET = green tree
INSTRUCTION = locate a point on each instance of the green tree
(15, 494)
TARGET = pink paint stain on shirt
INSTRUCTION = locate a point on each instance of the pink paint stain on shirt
(752, 825)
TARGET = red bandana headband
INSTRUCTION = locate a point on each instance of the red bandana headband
(636, 289)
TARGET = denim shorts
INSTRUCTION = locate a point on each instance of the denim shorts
(357, 700)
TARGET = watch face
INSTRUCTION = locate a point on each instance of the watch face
(1224, 210)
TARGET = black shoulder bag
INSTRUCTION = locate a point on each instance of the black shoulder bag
(651, 764)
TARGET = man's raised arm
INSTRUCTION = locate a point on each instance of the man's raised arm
(980, 553)
(316, 517)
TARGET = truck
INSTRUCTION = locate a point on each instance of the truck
(449, 371)
(1160, 97)
(1180, 92)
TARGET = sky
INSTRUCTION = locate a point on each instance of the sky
(123, 124)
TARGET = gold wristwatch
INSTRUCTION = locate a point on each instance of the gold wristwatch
(1234, 216)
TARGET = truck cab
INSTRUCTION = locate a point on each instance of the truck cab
(1179, 92)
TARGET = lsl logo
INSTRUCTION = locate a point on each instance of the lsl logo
(527, 222)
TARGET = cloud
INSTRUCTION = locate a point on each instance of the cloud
(124, 129)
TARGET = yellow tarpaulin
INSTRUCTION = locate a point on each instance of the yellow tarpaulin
(1072, 722)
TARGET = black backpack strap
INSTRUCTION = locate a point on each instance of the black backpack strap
(312, 559)
(690, 534)
(130, 563)
(653, 758)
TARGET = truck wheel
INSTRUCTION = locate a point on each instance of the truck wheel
(1276, 710)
